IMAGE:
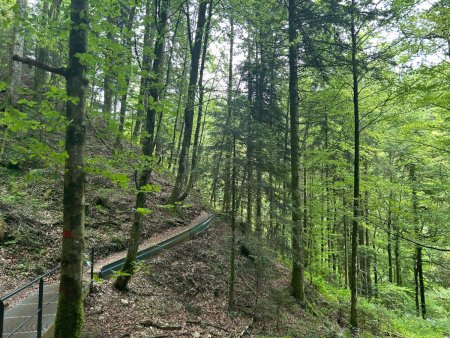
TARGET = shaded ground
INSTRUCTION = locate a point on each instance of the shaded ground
(184, 292)
(32, 211)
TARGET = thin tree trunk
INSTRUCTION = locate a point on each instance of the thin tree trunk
(297, 278)
(121, 282)
(398, 271)
(368, 264)
(108, 77)
(16, 67)
(128, 61)
(189, 110)
(180, 96)
(233, 225)
(42, 54)
(345, 236)
(418, 269)
(195, 150)
(149, 35)
(356, 194)
(375, 264)
(389, 240)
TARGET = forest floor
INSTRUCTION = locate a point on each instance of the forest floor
(32, 211)
(184, 293)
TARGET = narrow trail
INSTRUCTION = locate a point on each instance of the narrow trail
(150, 241)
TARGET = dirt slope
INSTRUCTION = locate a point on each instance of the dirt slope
(184, 291)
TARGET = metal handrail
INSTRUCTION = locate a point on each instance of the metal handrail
(41, 306)
(39, 311)
(34, 281)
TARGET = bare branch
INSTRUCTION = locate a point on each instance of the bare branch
(31, 62)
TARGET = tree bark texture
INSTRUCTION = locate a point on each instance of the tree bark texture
(69, 315)
(16, 67)
(356, 193)
(122, 281)
(297, 278)
(190, 105)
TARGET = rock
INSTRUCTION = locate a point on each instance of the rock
(124, 301)
(196, 334)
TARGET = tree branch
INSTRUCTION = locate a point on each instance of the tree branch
(31, 62)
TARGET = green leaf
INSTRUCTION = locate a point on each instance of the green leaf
(151, 188)
(144, 211)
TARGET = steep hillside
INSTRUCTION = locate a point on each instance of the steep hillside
(183, 292)
(30, 207)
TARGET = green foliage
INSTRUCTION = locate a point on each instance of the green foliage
(144, 211)
(411, 326)
(119, 273)
(151, 188)
(396, 298)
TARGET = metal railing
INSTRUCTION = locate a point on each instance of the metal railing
(41, 305)
(154, 250)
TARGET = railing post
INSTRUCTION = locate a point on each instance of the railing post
(92, 269)
(2, 316)
(40, 302)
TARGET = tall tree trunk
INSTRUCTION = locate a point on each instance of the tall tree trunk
(190, 105)
(368, 267)
(121, 282)
(42, 54)
(345, 236)
(175, 146)
(195, 151)
(149, 35)
(421, 282)
(356, 194)
(249, 165)
(389, 240)
(398, 271)
(233, 232)
(128, 61)
(416, 284)
(69, 314)
(108, 92)
(233, 171)
(297, 278)
(375, 264)
(418, 270)
(16, 67)
(15, 73)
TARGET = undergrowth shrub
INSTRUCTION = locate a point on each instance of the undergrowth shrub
(412, 327)
(373, 318)
(396, 298)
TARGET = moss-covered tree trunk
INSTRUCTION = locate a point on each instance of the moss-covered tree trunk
(69, 314)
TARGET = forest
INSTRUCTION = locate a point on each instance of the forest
(315, 132)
